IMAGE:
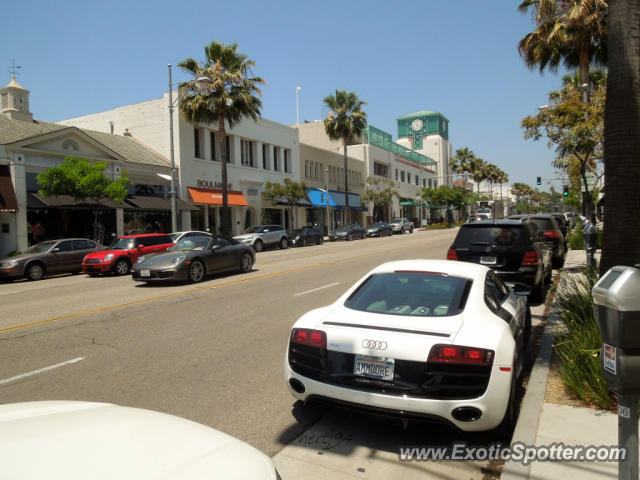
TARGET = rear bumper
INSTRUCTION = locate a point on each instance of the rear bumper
(527, 275)
(492, 404)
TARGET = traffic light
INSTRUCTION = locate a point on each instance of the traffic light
(565, 190)
(539, 180)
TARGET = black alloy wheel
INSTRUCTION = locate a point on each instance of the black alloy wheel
(349, 237)
(196, 271)
(246, 263)
(319, 241)
(258, 246)
(35, 271)
(284, 243)
(303, 242)
(505, 429)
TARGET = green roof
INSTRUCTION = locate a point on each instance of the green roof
(421, 113)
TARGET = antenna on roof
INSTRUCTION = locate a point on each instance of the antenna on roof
(14, 68)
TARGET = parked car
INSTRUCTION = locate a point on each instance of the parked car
(102, 441)
(348, 232)
(430, 339)
(379, 229)
(263, 236)
(177, 236)
(477, 217)
(305, 236)
(50, 257)
(563, 222)
(124, 252)
(551, 234)
(513, 249)
(401, 225)
(194, 258)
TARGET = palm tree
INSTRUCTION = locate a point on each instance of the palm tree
(478, 171)
(503, 177)
(461, 162)
(621, 144)
(571, 32)
(223, 88)
(345, 121)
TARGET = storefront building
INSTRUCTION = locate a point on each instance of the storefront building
(259, 151)
(29, 147)
(376, 155)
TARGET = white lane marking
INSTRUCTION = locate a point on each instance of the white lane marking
(40, 370)
(316, 289)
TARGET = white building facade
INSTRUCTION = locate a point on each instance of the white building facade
(259, 151)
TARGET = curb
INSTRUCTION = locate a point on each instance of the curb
(531, 406)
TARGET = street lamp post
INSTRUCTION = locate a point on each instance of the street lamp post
(326, 183)
(172, 193)
(297, 106)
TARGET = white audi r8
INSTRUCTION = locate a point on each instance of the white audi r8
(420, 339)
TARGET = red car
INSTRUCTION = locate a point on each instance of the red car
(124, 252)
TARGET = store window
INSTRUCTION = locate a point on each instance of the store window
(287, 161)
(212, 139)
(196, 142)
(265, 157)
(276, 165)
(402, 176)
(246, 153)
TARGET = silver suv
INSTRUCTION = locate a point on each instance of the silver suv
(401, 225)
(262, 236)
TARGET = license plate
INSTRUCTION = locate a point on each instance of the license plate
(145, 273)
(374, 367)
(488, 260)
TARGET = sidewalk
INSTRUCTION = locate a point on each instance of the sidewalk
(544, 423)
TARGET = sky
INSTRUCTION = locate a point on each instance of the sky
(457, 57)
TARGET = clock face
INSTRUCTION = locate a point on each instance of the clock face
(416, 125)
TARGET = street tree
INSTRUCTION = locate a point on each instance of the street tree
(381, 192)
(478, 171)
(286, 194)
(461, 161)
(86, 182)
(572, 33)
(622, 138)
(346, 120)
(222, 89)
(576, 129)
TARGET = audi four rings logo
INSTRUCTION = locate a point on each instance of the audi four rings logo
(376, 344)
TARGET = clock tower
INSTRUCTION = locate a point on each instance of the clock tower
(15, 101)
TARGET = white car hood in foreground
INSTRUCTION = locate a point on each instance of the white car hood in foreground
(81, 440)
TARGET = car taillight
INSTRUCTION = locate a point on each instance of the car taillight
(551, 234)
(531, 259)
(452, 254)
(460, 355)
(306, 336)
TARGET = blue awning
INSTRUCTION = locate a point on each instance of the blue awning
(319, 198)
(354, 201)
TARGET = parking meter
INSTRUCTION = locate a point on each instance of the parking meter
(590, 235)
(616, 298)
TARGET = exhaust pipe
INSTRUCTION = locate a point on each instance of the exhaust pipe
(296, 385)
(466, 414)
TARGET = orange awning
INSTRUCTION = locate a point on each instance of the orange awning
(213, 196)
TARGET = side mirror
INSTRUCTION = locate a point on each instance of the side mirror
(215, 247)
(521, 289)
(140, 247)
(55, 250)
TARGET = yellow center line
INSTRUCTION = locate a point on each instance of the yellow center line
(192, 290)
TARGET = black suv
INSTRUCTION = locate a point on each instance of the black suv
(551, 233)
(511, 248)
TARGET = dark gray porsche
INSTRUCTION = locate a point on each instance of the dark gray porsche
(194, 258)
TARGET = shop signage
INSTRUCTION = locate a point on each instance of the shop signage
(145, 190)
(210, 184)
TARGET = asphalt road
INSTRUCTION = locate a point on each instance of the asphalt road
(211, 352)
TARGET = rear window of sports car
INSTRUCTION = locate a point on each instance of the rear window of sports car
(420, 294)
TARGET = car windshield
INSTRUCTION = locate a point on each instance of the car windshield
(377, 224)
(420, 294)
(485, 235)
(40, 247)
(192, 243)
(396, 220)
(122, 244)
(251, 230)
(484, 210)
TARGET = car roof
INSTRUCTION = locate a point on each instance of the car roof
(489, 223)
(450, 267)
(143, 235)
